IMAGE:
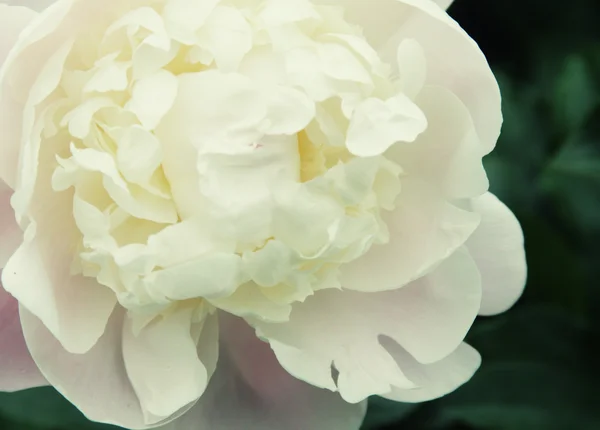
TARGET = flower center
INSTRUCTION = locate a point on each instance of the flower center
(208, 159)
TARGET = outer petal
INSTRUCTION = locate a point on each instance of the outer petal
(10, 233)
(455, 60)
(497, 247)
(37, 44)
(436, 379)
(17, 370)
(15, 86)
(95, 381)
(39, 275)
(444, 4)
(12, 21)
(163, 363)
(449, 154)
(251, 391)
(429, 318)
(424, 229)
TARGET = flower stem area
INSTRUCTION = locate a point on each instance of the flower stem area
(539, 370)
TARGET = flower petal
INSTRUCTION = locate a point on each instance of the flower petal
(152, 97)
(18, 371)
(388, 22)
(95, 381)
(40, 42)
(377, 124)
(39, 275)
(497, 247)
(37, 5)
(424, 229)
(15, 85)
(13, 20)
(436, 379)
(444, 4)
(448, 154)
(251, 391)
(11, 235)
(163, 364)
(429, 318)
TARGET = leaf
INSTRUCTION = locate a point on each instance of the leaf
(44, 408)
(575, 95)
(382, 412)
(523, 135)
(537, 374)
(556, 272)
(572, 179)
(507, 179)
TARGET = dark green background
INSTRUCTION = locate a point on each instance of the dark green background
(540, 370)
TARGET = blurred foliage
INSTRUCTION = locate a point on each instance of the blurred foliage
(539, 369)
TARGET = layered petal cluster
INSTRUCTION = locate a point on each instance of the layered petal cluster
(246, 213)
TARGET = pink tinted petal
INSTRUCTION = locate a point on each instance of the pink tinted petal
(163, 361)
(11, 235)
(96, 382)
(436, 379)
(251, 391)
(17, 369)
(497, 248)
(424, 229)
(429, 318)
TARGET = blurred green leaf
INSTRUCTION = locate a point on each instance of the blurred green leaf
(507, 181)
(556, 272)
(575, 95)
(572, 178)
(524, 136)
(537, 374)
(383, 412)
(44, 408)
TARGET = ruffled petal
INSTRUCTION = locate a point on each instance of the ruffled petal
(37, 45)
(251, 391)
(455, 60)
(429, 318)
(436, 379)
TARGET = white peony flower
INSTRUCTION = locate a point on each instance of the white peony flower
(204, 193)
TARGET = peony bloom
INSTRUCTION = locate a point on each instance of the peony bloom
(246, 214)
